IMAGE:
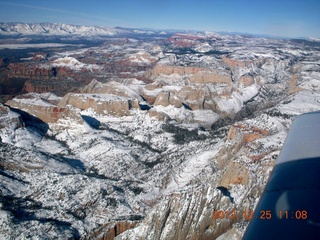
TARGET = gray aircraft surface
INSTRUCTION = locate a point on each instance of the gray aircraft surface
(289, 208)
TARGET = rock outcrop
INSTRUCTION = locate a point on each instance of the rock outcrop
(235, 173)
(167, 98)
(55, 86)
(110, 231)
(29, 71)
(168, 70)
(101, 103)
(52, 77)
(34, 105)
(184, 216)
(158, 115)
(195, 75)
(239, 136)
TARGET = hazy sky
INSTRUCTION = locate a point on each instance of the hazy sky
(288, 18)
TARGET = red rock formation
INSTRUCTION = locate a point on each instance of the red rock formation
(39, 78)
(168, 70)
(29, 71)
(183, 40)
(41, 109)
(235, 174)
(232, 63)
(197, 75)
(246, 80)
(240, 136)
(110, 231)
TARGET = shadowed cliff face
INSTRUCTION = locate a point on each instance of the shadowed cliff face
(38, 78)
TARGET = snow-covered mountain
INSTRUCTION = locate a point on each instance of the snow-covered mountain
(54, 29)
(64, 30)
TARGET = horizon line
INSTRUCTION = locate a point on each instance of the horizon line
(260, 35)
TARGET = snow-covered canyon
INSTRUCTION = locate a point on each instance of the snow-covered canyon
(161, 133)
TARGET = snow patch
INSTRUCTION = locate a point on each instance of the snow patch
(72, 63)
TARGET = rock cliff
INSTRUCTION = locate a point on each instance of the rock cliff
(195, 75)
(184, 216)
(34, 105)
(101, 103)
(111, 230)
(38, 78)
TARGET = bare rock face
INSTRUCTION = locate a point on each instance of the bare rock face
(196, 88)
(168, 70)
(239, 136)
(235, 174)
(232, 63)
(196, 75)
(246, 81)
(210, 77)
(195, 97)
(101, 103)
(110, 231)
(293, 85)
(183, 216)
(38, 107)
(167, 98)
(183, 40)
(29, 71)
(56, 86)
(158, 115)
(191, 96)
(43, 78)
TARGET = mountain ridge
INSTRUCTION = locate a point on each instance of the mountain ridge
(64, 29)
(19, 28)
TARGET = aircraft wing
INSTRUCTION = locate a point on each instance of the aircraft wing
(289, 207)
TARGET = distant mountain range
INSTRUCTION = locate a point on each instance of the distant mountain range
(59, 29)
(54, 29)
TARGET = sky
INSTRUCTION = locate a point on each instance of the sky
(286, 18)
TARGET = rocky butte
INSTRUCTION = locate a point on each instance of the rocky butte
(143, 135)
